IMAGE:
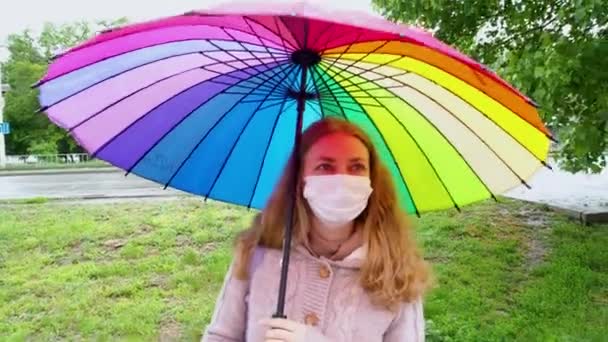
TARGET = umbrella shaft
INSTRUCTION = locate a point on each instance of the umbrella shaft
(294, 193)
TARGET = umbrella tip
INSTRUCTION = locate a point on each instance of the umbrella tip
(552, 138)
(524, 183)
(37, 84)
(457, 208)
(545, 164)
(418, 213)
(57, 55)
(110, 29)
(532, 102)
(494, 198)
(42, 109)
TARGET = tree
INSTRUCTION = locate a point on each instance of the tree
(553, 51)
(32, 132)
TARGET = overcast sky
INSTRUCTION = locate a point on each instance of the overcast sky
(16, 16)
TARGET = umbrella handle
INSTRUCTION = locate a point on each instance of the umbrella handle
(280, 312)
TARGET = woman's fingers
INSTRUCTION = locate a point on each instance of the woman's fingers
(279, 335)
(280, 323)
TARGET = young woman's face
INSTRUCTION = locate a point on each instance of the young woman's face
(337, 153)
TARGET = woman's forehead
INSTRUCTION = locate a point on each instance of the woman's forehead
(338, 145)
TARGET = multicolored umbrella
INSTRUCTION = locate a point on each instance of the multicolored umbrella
(210, 102)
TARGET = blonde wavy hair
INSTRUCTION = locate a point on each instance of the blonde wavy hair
(394, 270)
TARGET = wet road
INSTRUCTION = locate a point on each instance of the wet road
(79, 185)
(580, 192)
(585, 193)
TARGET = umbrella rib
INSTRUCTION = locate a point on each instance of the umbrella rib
(317, 111)
(359, 59)
(260, 100)
(370, 69)
(345, 95)
(332, 94)
(389, 150)
(329, 39)
(350, 106)
(473, 107)
(465, 125)
(241, 86)
(549, 136)
(314, 82)
(252, 93)
(293, 79)
(246, 19)
(288, 30)
(241, 44)
(253, 85)
(257, 179)
(445, 138)
(268, 81)
(198, 144)
(370, 104)
(278, 34)
(383, 139)
(353, 42)
(217, 176)
(273, 104)
(237, 59)
(426, 157)
(278, 52)
(121, 73)
(135, 93)
(327, 90)
(148, 112)
(417, 43)
(348, 47)
(144, 31)
(454, 147)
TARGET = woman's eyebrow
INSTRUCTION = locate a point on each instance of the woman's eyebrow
(327, 159)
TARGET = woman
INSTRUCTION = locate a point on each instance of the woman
(355, 273)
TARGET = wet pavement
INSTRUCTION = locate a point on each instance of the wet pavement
(581, 192)
(79, 185)
(578, 192)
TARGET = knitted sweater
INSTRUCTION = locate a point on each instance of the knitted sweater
(321, 293)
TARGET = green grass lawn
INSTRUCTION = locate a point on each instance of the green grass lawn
(151, 271)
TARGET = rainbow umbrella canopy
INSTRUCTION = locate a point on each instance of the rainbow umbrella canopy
(210, 102)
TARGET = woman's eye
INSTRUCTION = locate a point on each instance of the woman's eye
(323, 167)
(358, 167)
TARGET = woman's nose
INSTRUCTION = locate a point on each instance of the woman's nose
(341, 169)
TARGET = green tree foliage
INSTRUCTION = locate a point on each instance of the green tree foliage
(553, 51)
(32, 132)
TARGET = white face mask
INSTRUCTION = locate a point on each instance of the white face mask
(337, 199)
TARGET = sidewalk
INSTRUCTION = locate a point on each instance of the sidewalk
(581, 196)
(34, 172)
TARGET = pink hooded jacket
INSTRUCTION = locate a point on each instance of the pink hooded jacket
(321, 293)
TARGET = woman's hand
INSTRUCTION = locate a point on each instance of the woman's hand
(284, 330)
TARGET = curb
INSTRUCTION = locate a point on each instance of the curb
(52, 172)
(585, 218)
